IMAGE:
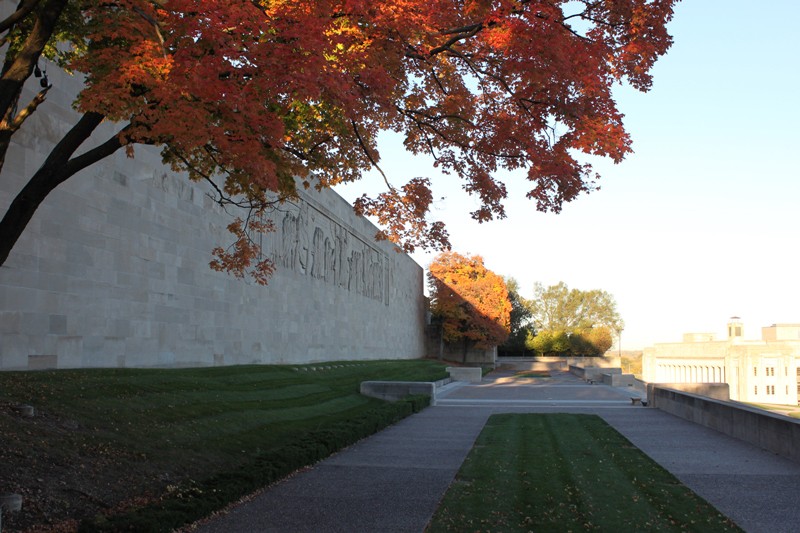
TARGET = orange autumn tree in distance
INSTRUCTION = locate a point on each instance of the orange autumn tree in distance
(469, 301)
(252, 95)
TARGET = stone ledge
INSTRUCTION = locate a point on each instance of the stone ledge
(594, 373)
(618, 380)
(397, 390)
(465, 373)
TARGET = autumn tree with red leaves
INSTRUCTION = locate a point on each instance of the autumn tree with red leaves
(469, 301)
(251, 95)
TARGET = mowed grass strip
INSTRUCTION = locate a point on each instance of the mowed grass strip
(565, 472)
(214, 414)
(170, 445)
(533, 374)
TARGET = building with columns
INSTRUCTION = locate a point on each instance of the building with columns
(757, 371)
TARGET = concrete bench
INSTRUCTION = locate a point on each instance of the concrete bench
(469, 374)
(396, 390)
(635, 400)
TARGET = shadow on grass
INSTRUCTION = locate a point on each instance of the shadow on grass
(151, 449)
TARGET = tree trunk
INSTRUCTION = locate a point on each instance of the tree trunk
(441, 343)
(18, 68)
(25, 7)
(57, 168)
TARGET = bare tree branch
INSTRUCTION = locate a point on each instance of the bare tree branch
(25, 7)
(35, 102)
(369, 155)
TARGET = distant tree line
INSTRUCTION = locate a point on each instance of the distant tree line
(478, 308)
(559, 321)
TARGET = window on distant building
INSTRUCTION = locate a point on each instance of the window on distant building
(755, 370)
(755, 389)
(772, 371)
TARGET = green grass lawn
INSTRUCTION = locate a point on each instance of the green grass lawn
(563, 472)
(533, 374)
(166, 446)
(789, 410)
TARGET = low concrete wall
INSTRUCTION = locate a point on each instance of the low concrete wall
(592, 372)
(534, 363)
(465, 373)
(396, 390)
(559, 363)
(617, 379)
(775, 433)
(602, 362)
(578, 371)
(717, 391)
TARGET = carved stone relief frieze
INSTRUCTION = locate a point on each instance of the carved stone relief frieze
(311, 242)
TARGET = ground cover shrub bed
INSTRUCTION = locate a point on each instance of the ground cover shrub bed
(565, 472)
(148, 450)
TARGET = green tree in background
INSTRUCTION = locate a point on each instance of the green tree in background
(558, 307)
(520, 321)
(571, 321)
(591, 342)
(550, 343)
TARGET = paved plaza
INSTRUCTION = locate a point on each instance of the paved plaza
(394, 480)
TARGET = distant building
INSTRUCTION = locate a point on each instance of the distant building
(757, 371)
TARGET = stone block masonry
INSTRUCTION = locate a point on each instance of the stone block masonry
(113, 271)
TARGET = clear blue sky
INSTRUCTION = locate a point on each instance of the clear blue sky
(699, 224)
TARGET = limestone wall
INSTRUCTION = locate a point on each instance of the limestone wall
(113, 271)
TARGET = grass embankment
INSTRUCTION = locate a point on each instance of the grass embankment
(561, 472)
(148, 450)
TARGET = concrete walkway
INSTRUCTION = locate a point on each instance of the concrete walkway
(394, 480)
